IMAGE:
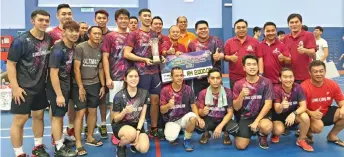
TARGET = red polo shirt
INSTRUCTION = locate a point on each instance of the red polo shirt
(232, 46)
(299, 62)
(269, 53)
(167, 45)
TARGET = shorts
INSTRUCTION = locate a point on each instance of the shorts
(280, 117)
(33, 102)
(245, 131)
(172, 129)
(117, 86)
(151, 82)
(116, 127)
(328, 118)
(56, 110)
(92, 97)
(198, 85)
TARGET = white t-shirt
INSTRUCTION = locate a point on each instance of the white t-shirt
(321, 44)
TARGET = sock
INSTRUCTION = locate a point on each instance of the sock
(70, 126)
(38, 141)
(18, 151)
(187, 135)
(59, 143)
(103, 123)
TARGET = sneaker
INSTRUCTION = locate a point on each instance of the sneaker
(121, 151)
(263, 142)
(103, 131)
(133, 149)
(304, 145)
(23, 155)
(69, 143)
(187, 145)
(155, 133)
(275, 139)
(65, 152)
(70, 132)
(39, 151)
(114, 140)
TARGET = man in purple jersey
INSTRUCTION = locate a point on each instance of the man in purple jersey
(290, 108)
(138, 49)
(114, 63)
(253, 97)
(27, 65)
(215, 107)
(177, 104)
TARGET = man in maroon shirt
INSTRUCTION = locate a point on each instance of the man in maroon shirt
(301, 45)
(157, 24)
(236, 48)
(101, 17)
(273, 53)
(172, 47)
(64, 14)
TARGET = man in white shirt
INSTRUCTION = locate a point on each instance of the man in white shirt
(322, 47)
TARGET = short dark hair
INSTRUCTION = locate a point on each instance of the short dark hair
(285, 69)
(175, 68)
(101, 11)
(249, 56)
(316, 63)
(91, 28)
(320, 28)
(269, 24)
(157, 17)
(291, 16)
(240, 20)
(213, 70)
(256, 29)
(71, 25)
(39, 12)
(201, 22)
(181, 17)
(144, 10)
(123, 12)
(60, 6)
(305, 28)
(134, 17)
(82, 22)
(280, 33)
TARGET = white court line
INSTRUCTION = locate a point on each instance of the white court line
(31, 136)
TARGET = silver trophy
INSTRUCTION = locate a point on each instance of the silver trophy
(155, 50)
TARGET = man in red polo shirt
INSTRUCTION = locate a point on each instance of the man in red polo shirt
(172, 47)
(301, 45)
(236, 48)
(273, 53)
(320, 93)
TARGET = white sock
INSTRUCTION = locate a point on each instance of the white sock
(38, 141)
(70, 126)
(59, 143)
(18, 151)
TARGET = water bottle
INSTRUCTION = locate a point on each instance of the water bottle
(145, 126)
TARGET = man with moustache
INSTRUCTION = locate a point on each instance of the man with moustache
(186, 36)
(172, 46)
(133, 23)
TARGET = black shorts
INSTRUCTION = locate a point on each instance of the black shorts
(244, 130)
(56, 110)
(150, 82)
(33, 102)
(280, 117)
(117, 126)
(328, 118)
(211, 123)
(92, 97)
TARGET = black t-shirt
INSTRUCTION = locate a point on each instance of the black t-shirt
(31, 56)
(122, 98)
(62, 57)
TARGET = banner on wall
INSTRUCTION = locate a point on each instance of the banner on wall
(195, 64)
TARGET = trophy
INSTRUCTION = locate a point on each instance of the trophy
(155, 50)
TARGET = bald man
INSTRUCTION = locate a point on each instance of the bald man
(172, 47)
(186, 37)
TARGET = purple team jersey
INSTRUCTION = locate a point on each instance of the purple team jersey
(214, 111)
(183, 101)
(259, 92)
(294, 97)
(122, 99)
(113, 44)
(140, 42)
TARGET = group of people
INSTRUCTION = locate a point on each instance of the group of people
(274, 84)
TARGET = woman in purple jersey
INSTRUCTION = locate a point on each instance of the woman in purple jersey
(129, 112)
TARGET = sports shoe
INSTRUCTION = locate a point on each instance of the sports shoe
(23, 155)
(65, 152)
(133, 149)
(121, 151)
(39, 151)
(187, 145)
(304, 145)
(263, 142)
(157, 133)
(103, 131)
(275, 138)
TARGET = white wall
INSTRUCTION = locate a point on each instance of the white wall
(12, 14)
